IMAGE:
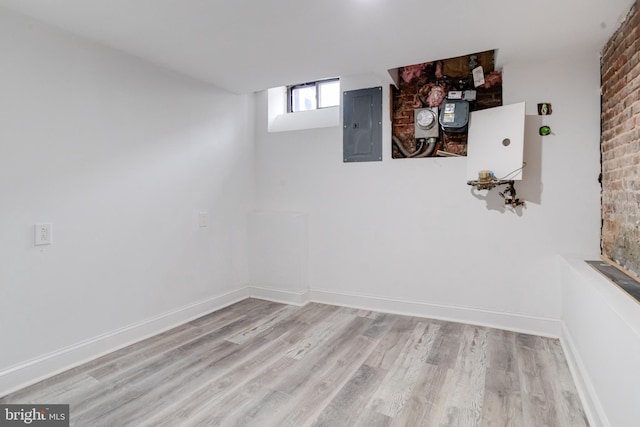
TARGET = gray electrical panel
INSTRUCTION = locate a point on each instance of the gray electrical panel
(362, 125)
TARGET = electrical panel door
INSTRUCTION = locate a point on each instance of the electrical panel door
(362, 125)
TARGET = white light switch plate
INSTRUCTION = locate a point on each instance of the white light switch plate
(203, 219)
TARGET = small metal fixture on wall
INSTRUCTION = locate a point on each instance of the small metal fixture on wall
(488, 181)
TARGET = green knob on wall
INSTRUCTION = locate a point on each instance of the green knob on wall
(545, 130)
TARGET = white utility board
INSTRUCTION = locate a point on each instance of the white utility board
(486, 149)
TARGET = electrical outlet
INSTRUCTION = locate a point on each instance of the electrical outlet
(43, 234)
(203, 219)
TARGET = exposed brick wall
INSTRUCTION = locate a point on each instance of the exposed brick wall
(620, 144)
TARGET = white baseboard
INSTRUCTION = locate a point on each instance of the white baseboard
(495, 319)
(592, 407)
(34, 370)
(278, 295)
(37, 369)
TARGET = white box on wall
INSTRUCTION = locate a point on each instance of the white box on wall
(488, 149)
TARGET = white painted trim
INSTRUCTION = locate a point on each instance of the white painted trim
(527, 324)
(278, 120)
(592, 406)
(45, 366)
(34, 370)
(534, 325)
(303, 120)
(278, 295)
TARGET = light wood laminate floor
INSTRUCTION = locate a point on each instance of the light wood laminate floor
(259, 363)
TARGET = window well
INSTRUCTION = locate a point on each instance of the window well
(314, 95)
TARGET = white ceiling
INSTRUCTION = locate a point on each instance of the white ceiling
(250, 45)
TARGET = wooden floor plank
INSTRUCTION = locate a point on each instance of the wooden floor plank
(263, 412)
(317, 335)
(392, 342)
(399, 382)
(371, 418)
(566, 399)
(320, 359)
(502, 406)
(269, 364)
(464, 406)
(348, 404)
(381, 324)
(262, 324)
(233, 405)
(537, 395)
(308, 402)
(428, 393)
(107, 406)
(154, 398)
(448, 345)
(217, 387)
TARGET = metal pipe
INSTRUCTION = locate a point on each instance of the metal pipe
(431, 146)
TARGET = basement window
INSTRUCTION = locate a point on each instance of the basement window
(314, 95)
(322, 109)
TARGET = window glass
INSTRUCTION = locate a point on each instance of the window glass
(314, 95)
(328, 94)
(303, 98)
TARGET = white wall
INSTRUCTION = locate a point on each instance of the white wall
(601, 338)
(120, 156)
(278, 251)
(411, 231)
